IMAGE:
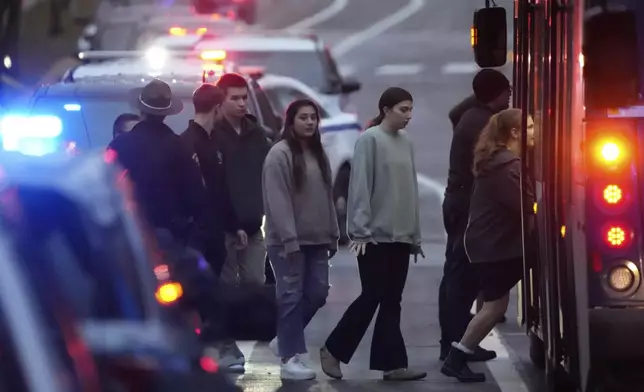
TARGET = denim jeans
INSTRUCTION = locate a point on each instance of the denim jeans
(301, 289)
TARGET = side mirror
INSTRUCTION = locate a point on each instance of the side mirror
(350, 85)
(610, 58)
(489, 37)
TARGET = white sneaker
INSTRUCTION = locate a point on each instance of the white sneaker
(274, 347)
(294, 369)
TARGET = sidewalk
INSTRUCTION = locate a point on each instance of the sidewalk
(419, 326)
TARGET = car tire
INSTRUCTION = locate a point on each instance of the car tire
(340, 199)
(248, 12)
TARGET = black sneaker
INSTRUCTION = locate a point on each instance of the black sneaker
(456, 366)
(480, 354)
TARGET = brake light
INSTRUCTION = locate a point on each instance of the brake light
(213, 55)
(168, 293)
(613, 194)
(177, 31)
(617, 236)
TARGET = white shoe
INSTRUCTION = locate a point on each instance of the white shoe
(294, 369)
(274, 347)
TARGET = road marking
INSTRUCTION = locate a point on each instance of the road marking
(399, 69)
(459, 68)
(327, 13)
(378, 28)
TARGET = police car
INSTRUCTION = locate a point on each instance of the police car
(302, 56)
(81, 109)
(126, 28)
(339, 132)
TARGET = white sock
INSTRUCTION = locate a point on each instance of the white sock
(464, 349)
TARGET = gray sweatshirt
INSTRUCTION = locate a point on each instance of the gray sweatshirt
(295, 218)
(383, 191)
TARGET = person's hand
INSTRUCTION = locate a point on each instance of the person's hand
(417, 250)
(359, 248)
(332, 253)
(241, 240)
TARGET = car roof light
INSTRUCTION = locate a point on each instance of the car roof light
(213, 55)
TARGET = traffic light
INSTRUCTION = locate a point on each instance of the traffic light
(613, 222)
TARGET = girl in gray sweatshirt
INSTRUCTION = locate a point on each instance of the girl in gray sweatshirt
(301, 231)
(384, 227)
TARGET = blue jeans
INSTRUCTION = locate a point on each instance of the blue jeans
(301, 289)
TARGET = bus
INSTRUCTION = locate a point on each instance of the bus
(576, 71)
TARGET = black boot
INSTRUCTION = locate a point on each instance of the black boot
(456, 366)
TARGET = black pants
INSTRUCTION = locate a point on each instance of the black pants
(383, 273)
(460, 286)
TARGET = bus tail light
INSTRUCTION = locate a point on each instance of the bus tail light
(617, 236)
(613, 194)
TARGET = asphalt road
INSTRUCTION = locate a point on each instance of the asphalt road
(423, 46)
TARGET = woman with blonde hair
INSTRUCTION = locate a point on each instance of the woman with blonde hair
(493, 238)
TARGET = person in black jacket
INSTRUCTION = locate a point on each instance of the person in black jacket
(493, 238)
(168, 185)
(207, 152)
(459, 286)
(245, 147)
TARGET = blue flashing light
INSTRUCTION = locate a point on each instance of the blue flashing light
(72, 107)
(30, 135)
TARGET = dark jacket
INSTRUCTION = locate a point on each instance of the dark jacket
(207, 151)
(457, 111)
(461, 155)
(166, 180)
(245, 154)
(494, 231)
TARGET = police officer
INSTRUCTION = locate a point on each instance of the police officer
(167, 182)
(459, 286)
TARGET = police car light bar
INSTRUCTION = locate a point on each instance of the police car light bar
(255, 72)
(131, 54)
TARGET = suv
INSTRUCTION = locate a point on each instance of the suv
(91, 96)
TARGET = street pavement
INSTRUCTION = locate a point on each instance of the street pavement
(423, 46)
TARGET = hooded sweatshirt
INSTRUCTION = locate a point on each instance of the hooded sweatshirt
(494, 230)
(245, 153)
(459, 110)
(295, 218)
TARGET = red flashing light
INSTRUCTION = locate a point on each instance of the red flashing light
(613, 194)
(110, 156)
(209, 365)
(213, 55)
(617, 236)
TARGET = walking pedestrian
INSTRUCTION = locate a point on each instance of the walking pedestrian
(124, 123)
(384, 227)
(245, 146)
(207, 152)
(301, 231)
(493, 238)
(460, 286)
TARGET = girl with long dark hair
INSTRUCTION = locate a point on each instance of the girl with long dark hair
(493, 238)
(301, 231)
(384, 228)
